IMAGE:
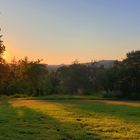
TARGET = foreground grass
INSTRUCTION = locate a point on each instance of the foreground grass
(69, 119)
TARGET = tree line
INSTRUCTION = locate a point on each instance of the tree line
(31, 78)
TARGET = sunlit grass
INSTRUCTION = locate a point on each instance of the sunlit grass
(129, 103)
(69, 119)
(81, 119)
(28, 126)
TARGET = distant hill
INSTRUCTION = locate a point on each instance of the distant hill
(53, 67)
(105, 63)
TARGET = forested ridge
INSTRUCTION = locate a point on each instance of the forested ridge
(31, 78)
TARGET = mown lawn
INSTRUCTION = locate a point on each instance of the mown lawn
(30, 119)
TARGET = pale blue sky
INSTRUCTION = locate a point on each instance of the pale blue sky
(60, 31)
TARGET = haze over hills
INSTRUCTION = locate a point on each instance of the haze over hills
(105, 63)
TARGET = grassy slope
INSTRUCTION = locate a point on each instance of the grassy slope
(69, 119)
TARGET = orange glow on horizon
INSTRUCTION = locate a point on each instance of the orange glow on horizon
(53, 58)
(6, 56)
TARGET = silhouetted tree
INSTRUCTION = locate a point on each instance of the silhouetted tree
(130, 82)
(75, 79)
(2, 49)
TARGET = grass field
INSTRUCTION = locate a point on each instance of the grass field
(69, 119)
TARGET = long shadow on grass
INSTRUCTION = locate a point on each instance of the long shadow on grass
(84, 118)
(130, 113)
(22, 123)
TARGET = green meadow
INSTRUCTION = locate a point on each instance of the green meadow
(68, 119)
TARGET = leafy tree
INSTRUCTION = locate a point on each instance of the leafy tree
(133, 59)
(4, 69)
(2, 49)
(131, 75)
(33, 72)
(74, 79)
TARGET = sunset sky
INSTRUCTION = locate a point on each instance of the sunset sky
(60, 31)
